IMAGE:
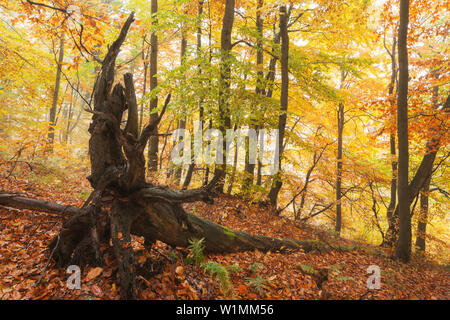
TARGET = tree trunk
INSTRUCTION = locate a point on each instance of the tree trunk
(422, 174)
(158, 215)
(423, 218)
(267, 91)
(154, 141)
(52, 115)
(224, 87)
(423, 215)
(304, 191)
(393, 198)
(235, 162)
(270, 76)
(144, 90)
(340, 118)
(68, 116)
(210, 49)
(341, 122)
(403, 249)
(424, 171)
(206, 177)
(250, 167)
(277, 183)
(191, 167)
(181, 122)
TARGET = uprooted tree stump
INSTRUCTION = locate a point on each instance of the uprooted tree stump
(123, 203)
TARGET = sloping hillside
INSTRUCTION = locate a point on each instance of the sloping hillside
(341, 273)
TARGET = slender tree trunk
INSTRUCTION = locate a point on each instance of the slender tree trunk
(181, 122)
(191, 167)
(403, 249)
(206, 178)
(179, 168)
(423, 215)
(340, 118)
(424, 172)
(154, 141)
(394, 165)
(68, 116)
(270, 76)
(277, 183)
(250, 167)
(235, 160)
(316, 159)
(268, 92)
(224, 87)
(210, 49)
(341, 122)
(393, 199)
(423, 218)
(144, 90)
(52, 115)
(259, 170)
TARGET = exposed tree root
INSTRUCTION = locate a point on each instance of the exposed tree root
(152, 218)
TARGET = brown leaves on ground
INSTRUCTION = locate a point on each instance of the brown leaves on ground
(162, 274)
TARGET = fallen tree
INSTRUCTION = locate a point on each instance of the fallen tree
(123, 203)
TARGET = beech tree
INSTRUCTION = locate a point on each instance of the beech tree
(153, 140)
(224, 87)
(403, 249)
(52, 114)
(284, 61)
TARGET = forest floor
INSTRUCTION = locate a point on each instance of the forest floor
(163, 274)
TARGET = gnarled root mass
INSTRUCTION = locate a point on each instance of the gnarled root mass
(152, 218)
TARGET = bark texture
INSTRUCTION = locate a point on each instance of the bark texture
(277, 183)
(339, 160)
(154, 142)
(423, 218)
(393, 150)
(403, 249)
(250, 165)
(191, 167)
(340, 118)
(224, 87)
(52, 114)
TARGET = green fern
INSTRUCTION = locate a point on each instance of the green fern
(196, 247)
(255, 267)
(308, 269)
(173, 255)
(258, 283)
(234, 269)
(344, 278)
(222, 275)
